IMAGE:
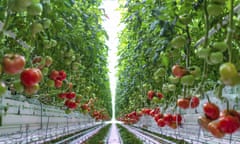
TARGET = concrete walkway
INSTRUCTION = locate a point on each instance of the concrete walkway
(114, 136)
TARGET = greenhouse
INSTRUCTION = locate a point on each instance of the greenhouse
(119, 71)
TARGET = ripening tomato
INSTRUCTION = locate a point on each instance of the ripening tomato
(58, 83)
(62, 95)
(211, 110)
(30, 77)
(13, 63)
(178, 71)
(54, 74)
(213, 128)
(183, 103)
(172, 125)
(30, 90)
(203, 122)
(48, 61)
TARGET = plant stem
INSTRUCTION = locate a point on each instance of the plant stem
(206, 23)
(188, 46)
(230, 30)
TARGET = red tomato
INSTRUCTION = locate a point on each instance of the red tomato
(167, 118)
(183, 103)
(157, 116)
(84, 106)
(213, 128)
(229, 124)
(13, 63)
(161, 123)
(160, 95)
(58, 83)
(70, 104)
(71, 95)
(177, 118)
(30, 77)
(151, 94)
(195, 102)
(178, 71)
(54, 74)
(211, 111)
(62, 75)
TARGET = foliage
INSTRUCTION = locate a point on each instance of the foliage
(74, 38)
(100, 136)
(128, 137)
(146, 44)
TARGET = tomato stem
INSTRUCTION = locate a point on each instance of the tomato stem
(208, 98)
(206, 24)
(230, 30)
(188, 46)
(205, 46)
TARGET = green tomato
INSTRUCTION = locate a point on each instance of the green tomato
(172, 87)
(3, 88)
(220, 46)
(53, 43)
(35, 9)
(185, 19)
(18, 86)
(50, 83)
(23, 4)
(155, 100)
(215, 58)
(68, 111)
(46, 23)
(217, 1)
(203, 52)
(174, 80)
(67, 61)
(1, 69)
(165, 88)
(76, 66)
(228, 71)
(36, 28)
(214, 9)
(187, 80)
(45, 71)
(178, 42)
(46, 44)
(195, 71)
(161, 72)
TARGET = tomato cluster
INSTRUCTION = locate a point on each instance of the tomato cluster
(191, 102)
(154, 96)
(58, 77)
(219, 124)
